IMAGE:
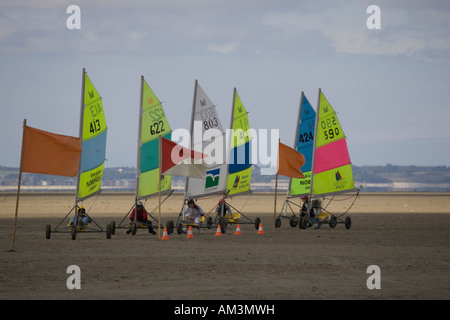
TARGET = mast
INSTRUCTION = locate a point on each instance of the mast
(314, 146)
(230, 144)
(296, 136)
(80, 132)
(191, 132)
(138, 158)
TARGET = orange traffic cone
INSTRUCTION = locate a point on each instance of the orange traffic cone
(261, 231)
(165, 235)
(190, 234)
(238, 230)
(219, 231)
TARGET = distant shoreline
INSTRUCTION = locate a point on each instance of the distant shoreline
(180, 193)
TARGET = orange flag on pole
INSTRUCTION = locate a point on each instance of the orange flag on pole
(50, 153)
(289, 162)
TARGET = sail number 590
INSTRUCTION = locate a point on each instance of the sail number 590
(330, 127)
(330, 133)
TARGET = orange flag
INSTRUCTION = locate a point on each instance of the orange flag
(50, 153)
(289, 162)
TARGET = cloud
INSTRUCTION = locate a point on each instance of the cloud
(405, 29)
(229, 47)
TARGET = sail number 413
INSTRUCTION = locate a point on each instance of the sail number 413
(94, 126)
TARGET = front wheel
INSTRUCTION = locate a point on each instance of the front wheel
(113, 227)
(108, 231)
(48, 231)
(73, 233)
(348, 222)
(332, 222)
(303, 223)
(278, 223)
(180, 228)
(257, 222)
(169, 226)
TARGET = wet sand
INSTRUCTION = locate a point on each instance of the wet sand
(406, 235)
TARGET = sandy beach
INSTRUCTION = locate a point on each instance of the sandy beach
(407, 235)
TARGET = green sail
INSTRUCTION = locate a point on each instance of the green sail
(153, 124)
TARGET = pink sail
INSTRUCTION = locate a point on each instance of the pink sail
(330, 156)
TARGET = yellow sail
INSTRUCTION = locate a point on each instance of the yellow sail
(239, 168)
(93, 132)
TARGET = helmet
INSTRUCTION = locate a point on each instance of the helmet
(81, 210)
(190, 201)
(139, 204)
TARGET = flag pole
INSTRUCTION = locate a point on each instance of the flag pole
(275, 203)
(18, 188)
(159, 191)
(276, 187)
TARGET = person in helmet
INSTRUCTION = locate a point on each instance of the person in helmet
(193, 213)
(81, 217)
(225, 209)
(141, 216)
(305, 207)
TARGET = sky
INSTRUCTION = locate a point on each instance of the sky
(390, 86)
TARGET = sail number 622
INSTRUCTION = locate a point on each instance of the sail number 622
(157, 127)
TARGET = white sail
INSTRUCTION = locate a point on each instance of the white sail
(207, 136)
